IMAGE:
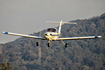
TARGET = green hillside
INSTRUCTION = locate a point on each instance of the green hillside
(88, 54)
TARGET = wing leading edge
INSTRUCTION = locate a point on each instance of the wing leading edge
(23, 35)
(78, 38)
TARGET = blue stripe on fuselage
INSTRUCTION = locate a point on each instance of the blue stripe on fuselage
(54, 35)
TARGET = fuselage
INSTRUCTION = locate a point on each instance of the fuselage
(52, 34)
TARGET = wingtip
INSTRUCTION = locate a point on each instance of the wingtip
(5, 32)
(99, 36)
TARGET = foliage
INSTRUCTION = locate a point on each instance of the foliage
(86, 54)
(6, 67)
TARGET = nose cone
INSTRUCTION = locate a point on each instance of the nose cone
(47, 34)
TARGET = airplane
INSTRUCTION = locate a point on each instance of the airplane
(52, 34)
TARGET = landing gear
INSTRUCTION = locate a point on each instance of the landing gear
(66, 45)
(37, 44)
(48, 44)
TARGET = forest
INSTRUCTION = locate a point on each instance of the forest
(88, 54)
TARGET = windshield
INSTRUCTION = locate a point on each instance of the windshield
(51, 30)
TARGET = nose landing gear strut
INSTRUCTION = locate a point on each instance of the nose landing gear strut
(49, 44)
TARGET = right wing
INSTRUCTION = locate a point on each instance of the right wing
(23, 35)
(77, 38)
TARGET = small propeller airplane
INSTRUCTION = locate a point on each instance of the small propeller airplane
(53, 35)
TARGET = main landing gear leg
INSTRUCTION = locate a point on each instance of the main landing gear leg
(37, 44)
(49, 44)
(65, 44)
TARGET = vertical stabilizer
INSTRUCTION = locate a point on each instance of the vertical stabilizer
(60, 27)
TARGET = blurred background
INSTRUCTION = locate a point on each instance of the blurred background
(29, 16)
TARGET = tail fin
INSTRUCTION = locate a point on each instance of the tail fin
(60, 27)
(60, 24)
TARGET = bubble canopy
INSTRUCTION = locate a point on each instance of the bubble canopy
(51, 30)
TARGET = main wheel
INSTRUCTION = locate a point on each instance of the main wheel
(48, 44)
(37, 44)
(66, 45)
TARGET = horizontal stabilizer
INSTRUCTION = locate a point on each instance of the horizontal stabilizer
(59, 22)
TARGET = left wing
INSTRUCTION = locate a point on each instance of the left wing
(24, 35)
(77, 38)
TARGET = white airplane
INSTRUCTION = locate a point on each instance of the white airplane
(53, 35)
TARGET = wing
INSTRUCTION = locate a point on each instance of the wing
(77, 38)
(23, 35)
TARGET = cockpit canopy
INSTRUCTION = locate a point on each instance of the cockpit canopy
(51, 30)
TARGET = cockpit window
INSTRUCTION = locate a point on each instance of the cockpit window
(51, 30)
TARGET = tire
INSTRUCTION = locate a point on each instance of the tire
(66, 45)
(37, 44)
(48, 44)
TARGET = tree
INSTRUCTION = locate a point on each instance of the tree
(6, 67)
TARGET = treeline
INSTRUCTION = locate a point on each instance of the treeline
(87, 54)
(6, 66)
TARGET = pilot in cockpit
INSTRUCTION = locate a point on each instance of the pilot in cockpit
(51, 30)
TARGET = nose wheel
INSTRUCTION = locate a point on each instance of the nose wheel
(48, 44)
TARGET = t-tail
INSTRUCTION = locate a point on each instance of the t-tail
(61, 23)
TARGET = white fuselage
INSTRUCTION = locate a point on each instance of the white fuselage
(52, 35)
